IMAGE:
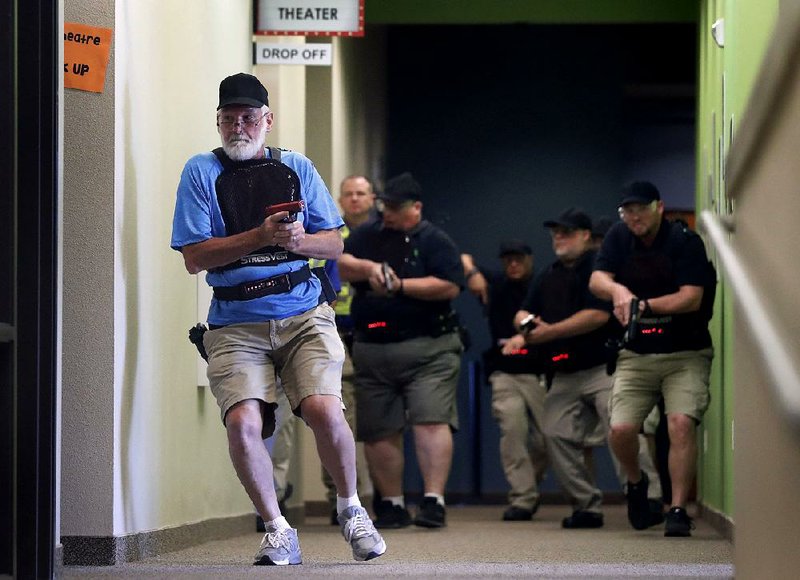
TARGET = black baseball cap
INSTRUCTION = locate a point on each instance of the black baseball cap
(242, 89)
(574, 218)
(639, 192)
(515, 247)
(401, 188)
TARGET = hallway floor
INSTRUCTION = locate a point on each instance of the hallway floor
(474, 544)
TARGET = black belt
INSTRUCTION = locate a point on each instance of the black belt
(264, 287)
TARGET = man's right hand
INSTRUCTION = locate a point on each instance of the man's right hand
(377, 280)
(479, 287)
(621, 298)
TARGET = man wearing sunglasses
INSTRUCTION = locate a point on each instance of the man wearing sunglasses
(664, 265)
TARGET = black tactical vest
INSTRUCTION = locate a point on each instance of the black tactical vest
(651, 273)
(244, 190)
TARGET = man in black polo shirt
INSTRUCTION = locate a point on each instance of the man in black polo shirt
(406, 349)
(664, 265)
(570, 328)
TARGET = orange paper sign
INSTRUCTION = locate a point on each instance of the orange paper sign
(86, 51)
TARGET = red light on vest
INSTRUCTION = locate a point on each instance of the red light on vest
(652, 330)
(560, 357)
(372, 325)
(519, 351)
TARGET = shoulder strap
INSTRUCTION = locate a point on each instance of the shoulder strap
(226, 161)
(275, 153)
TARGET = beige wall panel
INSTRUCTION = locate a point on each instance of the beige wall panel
(87, 441)
(764, 177)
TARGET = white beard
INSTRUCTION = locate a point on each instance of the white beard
(241, 150)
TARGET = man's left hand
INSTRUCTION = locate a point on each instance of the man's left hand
(290, 236)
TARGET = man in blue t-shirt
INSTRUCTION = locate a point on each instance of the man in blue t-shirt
(664, 265)
(267, 319)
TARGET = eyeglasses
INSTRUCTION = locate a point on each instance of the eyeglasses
(230, 121)
(630, 209)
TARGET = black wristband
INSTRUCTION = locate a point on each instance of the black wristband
(472, 272)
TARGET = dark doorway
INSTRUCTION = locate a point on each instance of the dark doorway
(29, 66)
(6, 291)
(506, 126)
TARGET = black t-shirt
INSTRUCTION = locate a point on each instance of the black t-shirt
(676, 258)
(505, 300)
(558, 293)
(424, 251)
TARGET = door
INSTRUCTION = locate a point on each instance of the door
(29, 67)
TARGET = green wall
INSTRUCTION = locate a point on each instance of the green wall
(725, 79)
(534, 11)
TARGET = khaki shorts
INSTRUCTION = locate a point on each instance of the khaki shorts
(597, 438)
(409, 382)
(682, 377)
(244, 361)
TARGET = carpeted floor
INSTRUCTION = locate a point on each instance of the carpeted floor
(474, 544)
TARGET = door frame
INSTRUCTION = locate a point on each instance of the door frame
(31, 80)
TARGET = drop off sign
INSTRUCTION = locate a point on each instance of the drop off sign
(306, 54)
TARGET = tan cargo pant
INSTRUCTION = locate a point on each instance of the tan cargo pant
(574, 405)
(518, 407)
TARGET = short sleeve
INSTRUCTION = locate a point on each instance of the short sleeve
(191, 222)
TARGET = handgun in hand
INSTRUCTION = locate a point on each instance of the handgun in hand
(387, 277)
(527, 324)
(633, 322)
(291, 206)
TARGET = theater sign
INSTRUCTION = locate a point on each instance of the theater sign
(310, 17)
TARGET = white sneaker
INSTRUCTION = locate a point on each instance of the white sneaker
(360, 533)
(279, 548)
